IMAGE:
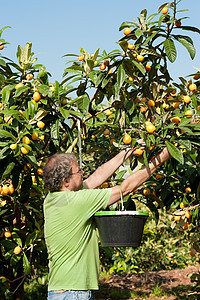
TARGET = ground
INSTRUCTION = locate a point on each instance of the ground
(174, 284)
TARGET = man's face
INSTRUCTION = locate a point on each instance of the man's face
(75, 181)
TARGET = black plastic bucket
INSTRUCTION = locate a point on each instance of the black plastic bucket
(120, 228)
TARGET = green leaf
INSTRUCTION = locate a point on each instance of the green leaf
(21, 90)
(175, 152)
(170, 50)
(2, 29)
(74, 68)
(4, 133)
(186, 143)
(65, 113)
(83, 104)
(143, 15)
(55, 132)
(26, 264)
(138, 33)
(31, 238)
(188, 46)
(123, 44)
(44, 89)
(31, 158)
(120, 76)
(39, 116)
(9, 169)
(190, 28)
(16, 238)
(150, 52)
(126, 24)
(139, 66)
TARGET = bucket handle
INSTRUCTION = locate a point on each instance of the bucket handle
(121, 197)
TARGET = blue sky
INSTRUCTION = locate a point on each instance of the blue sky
(56, 28)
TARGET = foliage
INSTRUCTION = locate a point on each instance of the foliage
(39, 118)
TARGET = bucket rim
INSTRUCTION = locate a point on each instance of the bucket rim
(118, 213)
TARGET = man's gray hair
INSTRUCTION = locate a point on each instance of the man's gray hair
(57, 168)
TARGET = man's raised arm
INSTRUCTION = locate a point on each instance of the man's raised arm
(107, 170)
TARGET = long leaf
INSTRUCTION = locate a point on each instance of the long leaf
(170, 50)
(175, 152)
(120, 76)
(188, 46)
(26, 264)
(139, 66)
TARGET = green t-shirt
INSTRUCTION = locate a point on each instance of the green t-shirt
(71, 238)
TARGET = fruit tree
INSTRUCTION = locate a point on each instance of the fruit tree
(105, 102)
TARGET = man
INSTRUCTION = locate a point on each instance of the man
(69, 229)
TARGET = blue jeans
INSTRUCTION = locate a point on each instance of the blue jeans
(71, 295)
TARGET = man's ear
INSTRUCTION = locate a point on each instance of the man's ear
(65, 183)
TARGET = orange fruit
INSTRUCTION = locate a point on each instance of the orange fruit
(24, 150)
(127, 31)
(7, 234)
(106, 62)
(148, 67)
(188, 113)
(102, 67)
(186, 99)
(193, 252)
(13, 146)
(105, 185)
(188, 190)
(36, 96)
(177, 23)
(26, 140)
(143, 99)
(158, 176)
(151, 103)
(106, 131)
(165, 105)
(17, 250)
(40, 124)
(175, 104)
(140, 57)
(112, 141)
(80, 57)
(42, 137)
(150, 128)
(185, 226)
(40, 171)
(1, 47)
(33, 179)
(52, 89)
(177, 218)
(11, 189)
(188, 214)
(29, 76)
(143, 109)
(146, 191)
(182, 205)
(138, 151)
(127, 139)
(5, 190)
(19, 85)
(176, 120)
(196, 76)
(3, 203)
(164, 10)
(108, 113)
(34, 136)
(130, 79)
(131, 46)
(192, 87)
